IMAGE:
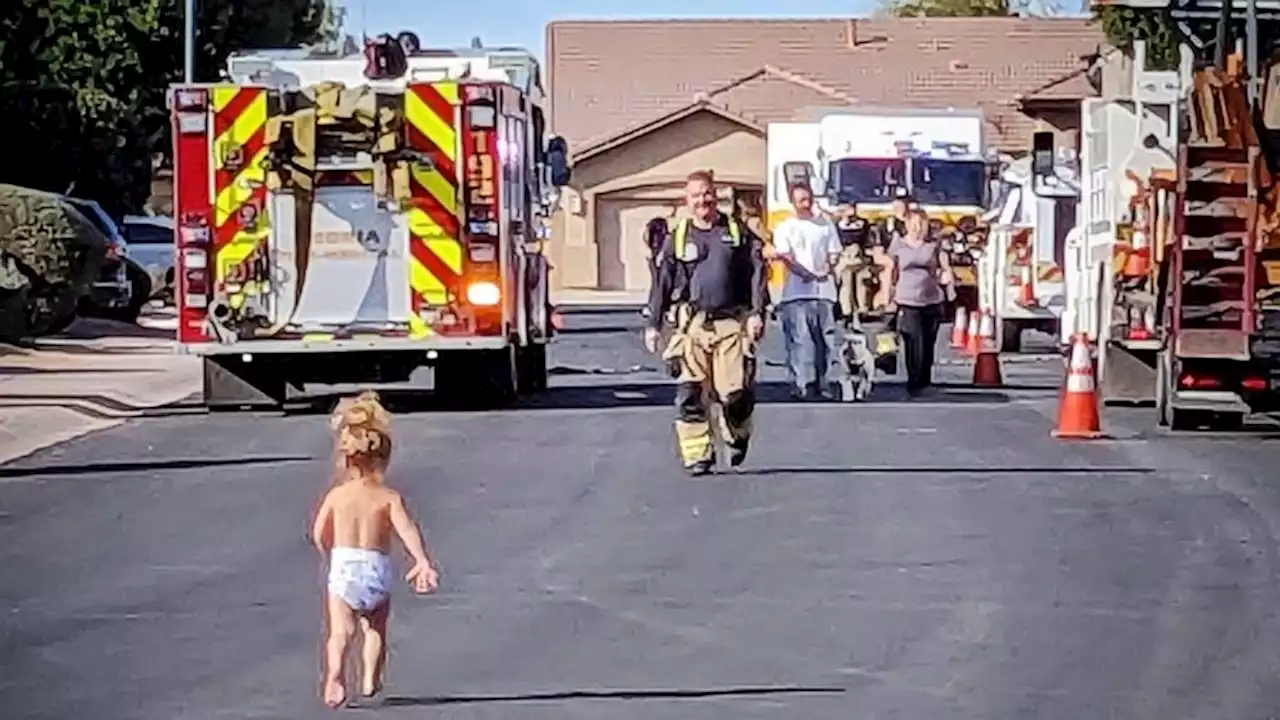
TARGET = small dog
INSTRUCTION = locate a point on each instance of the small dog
(860, 364)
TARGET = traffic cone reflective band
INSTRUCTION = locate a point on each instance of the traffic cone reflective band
(987, 332)
(1026, 294)
(973, 337)
(1078, 410)
(960, 329)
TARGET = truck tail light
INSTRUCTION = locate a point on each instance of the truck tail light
(1198, 382)
(484, 294)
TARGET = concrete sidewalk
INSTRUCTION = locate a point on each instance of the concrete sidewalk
(94, 376)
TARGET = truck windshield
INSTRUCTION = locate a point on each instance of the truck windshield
(949, 182)
(855, 180)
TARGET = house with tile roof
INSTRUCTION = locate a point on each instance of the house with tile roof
(643, 103)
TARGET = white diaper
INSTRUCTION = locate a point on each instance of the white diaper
(361, 578)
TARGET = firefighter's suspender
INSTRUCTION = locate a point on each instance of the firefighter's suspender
(681, 236)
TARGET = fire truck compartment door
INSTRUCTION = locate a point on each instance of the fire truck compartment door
(357, 267)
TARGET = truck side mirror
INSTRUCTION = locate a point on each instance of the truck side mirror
(1042, 155)
(558, 161)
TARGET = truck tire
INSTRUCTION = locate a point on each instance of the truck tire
(1166, 414)
(139, 296)
(532, 368)
(479, 379)
(499, 382)
(1010, 336)
(1164, 391)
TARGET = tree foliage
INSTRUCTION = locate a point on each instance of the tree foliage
(947, 8)
(82, 84)
(1123, 25)
(973, 8)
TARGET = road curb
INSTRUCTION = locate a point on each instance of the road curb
(25, 431)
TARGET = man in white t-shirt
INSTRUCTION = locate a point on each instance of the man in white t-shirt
(809, 246)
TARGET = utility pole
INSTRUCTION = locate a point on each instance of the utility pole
(189, 41)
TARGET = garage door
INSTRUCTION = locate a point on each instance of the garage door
(623, 256)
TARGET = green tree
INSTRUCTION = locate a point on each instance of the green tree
(82, 84)
(972, 8)
(946, 8)
(1123, 25)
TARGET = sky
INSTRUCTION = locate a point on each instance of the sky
(524, 22)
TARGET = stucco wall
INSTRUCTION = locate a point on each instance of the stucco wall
(651, 167)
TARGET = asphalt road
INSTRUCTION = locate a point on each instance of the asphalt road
(940, 558)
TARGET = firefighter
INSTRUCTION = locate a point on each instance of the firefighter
(855, 240)
(712, 271)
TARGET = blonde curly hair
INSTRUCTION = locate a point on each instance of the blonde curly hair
(362, 430)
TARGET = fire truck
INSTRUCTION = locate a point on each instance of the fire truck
(351, 218)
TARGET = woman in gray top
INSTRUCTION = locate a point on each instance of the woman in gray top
(921, 286)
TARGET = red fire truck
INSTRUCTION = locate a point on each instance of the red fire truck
(352, 218)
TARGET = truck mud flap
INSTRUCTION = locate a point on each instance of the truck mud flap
(231, 383)
(1128, 377)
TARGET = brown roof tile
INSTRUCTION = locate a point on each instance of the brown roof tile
(607, 76)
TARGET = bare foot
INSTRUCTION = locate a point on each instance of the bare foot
(334, 694)
(370, 687)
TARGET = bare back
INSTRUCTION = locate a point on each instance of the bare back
(360, 515)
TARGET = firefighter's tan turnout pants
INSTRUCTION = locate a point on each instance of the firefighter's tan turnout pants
(855, 272)
(714, 361)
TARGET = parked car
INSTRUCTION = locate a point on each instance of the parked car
(124, 287)
(151, 247)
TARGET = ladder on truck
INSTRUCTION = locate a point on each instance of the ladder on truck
(1211, 279)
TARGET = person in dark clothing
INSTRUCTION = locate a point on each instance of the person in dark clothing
(712, 269)
(921, 284)
(655, 232)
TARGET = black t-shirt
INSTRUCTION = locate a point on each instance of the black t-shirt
(854, 231)
(888, 228)
(716, 275)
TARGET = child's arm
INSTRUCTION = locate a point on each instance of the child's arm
(407, 530)
(322, 526)
(422, 576)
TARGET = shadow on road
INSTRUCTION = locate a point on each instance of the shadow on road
(926, 470)
(652, 394)
(587, 397)
(598, 330)
(611, 695)
(11, 472)
(25, 370)
(1020, 387)
(575, 310)
(99, 328)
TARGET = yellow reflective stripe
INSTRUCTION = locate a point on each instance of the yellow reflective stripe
(681, 236)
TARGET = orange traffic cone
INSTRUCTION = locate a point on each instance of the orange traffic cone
(987, 331)
(973, 338)
(1026, 293)
(986, 366)
(960, 328)
(1078, 410)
